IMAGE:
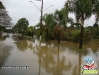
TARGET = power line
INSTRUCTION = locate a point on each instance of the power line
(35, 14)
(50, 11)
(30, 7)
(36, 6)
(35, 19)
(18, 6)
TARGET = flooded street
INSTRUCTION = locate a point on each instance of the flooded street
(45, 58)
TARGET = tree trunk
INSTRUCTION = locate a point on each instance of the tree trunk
(81, 33)
(47, 35)
(0, 34)
(59, 37)
(22, 35)
(41, 18)
(54, 36)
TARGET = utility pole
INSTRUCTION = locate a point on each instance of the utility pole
(41, 19)
(41, 10)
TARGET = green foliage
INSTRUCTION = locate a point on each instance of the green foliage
(58, 15)
(5, 19)
(83, 9)
(1, 5)
(95, 25)
(30, 31)
(44, 33)
(95, 33)
(2, 28)
(73, 35)
(77, 25)
(8, 30)
(87, 36)
(89, 27)
(64, 35)
(37, 32)
(51, 20)
(50, 24)
(61, 17)
(21, 26)
(37, 29)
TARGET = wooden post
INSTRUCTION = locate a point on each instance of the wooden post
(59, 36)
(41, 18)
(0, 34)
(81, 33)
(47, 34)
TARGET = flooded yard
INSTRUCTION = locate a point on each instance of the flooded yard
(43, 58)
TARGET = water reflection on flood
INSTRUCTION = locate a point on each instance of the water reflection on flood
(50, 59)
(43, 58)
(60, 60)
(4, 52)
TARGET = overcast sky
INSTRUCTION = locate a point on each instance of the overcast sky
(23, 8)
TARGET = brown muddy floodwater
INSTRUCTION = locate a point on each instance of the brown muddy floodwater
(45, 58)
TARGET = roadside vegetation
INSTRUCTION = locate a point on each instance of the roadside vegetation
(59, 26)
(59, 20)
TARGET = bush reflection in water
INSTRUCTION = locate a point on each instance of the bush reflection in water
(4, 52)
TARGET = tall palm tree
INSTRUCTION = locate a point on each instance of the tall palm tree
(61, 17)
(96, 10)
(83, 9)
(50, 23)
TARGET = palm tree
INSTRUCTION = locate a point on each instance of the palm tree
(83, 9)
(30, 31)
(96, 10)
(49, 24)
(61, 17)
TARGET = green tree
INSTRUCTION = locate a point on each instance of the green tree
(58, 15)
(2, 28)
(22, 25)
(77, 25)
(83, 10)
(5, 19)
(30, 31)
(50, 24)
(95, 25)
(61, 17)
(95, 32)
(37, 29)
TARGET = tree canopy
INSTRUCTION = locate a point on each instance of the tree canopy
(5, 19)
(21, 25)
(95, 25)
(83, 9)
